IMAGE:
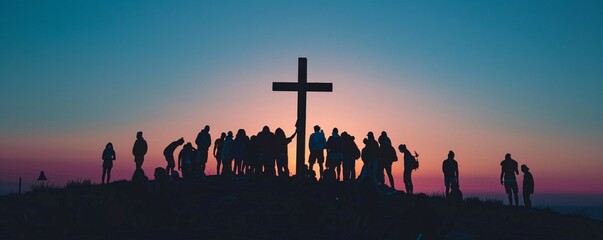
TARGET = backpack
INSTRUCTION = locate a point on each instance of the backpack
(355, 151)
(414, 164)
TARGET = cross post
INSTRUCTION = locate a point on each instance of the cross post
(301, 87)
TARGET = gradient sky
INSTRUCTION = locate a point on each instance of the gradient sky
(482, 78)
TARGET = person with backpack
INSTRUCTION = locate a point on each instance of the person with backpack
(350, 154)
(335, 152)
(450, 168)
(387, 156)
(168, 153)
(108, 158)
(410, 164)
(139, 150)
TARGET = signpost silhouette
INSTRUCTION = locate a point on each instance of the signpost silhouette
(302, 86)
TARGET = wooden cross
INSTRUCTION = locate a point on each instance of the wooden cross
(302, 86)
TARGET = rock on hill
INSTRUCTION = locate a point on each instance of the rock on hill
(221, 208)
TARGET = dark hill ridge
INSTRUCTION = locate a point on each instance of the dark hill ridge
(220, 208)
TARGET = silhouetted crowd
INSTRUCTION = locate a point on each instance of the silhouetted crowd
(265, 155)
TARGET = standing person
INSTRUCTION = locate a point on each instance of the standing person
(507, 178)
(450, 168)
(410, 163)
(350, 154)
(265, 144)
(528, 186)
(227, 154)
(168, 153)
(317, 144)
(370, 156)
(252, 164)
(108, 158)
(218, 144)
(139, 150)
(282, 157)
(387, 156)
(241, 143)
(203, 142)
(186, 159)
(335, 152)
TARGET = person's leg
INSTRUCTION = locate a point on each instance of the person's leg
(104, 173)
(526, 200)
(108, 175)
(353, 170)
(447, 183)
(388, 169)
(515, 192)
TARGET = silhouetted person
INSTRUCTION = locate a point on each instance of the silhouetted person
(218, 144)
(317, 144)
(139, 179)
(282, 158)
(240, 152)
(227, 154)
(350, 154)
(509, 168)
(451, 172)
(186, 158)
(265, 143)
(139, 150)
(203, 142)
(410, 163)
(335, 152)
(168, 153)
(528, 186)
(387, 156)
(370, 157)
(108, 158)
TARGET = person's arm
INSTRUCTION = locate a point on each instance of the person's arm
(215, 148)
(456, 171)
(291, 138)
(114, 157)
(502, 174)
(145, 148)
(444, 167)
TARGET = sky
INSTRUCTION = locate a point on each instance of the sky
(481, 78)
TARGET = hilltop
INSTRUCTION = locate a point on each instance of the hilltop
(222, 208)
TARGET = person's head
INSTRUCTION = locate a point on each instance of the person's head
(507, 156)
(206, 128)
(266, 129)
(109, 145)
(229, 134)
(139, 135)
(370, 136)
(450, 154)
(180, 141)
(383, 133)
(316, 128)
(524, 168)
(335, 131)
(188, 145)
(402, 148)
(279, 133)
(365, 141)
(222, 135)
(345, 135)
(241, 133)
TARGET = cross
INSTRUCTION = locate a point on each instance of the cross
(302, 86)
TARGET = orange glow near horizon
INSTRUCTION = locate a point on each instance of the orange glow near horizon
(423, 119)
